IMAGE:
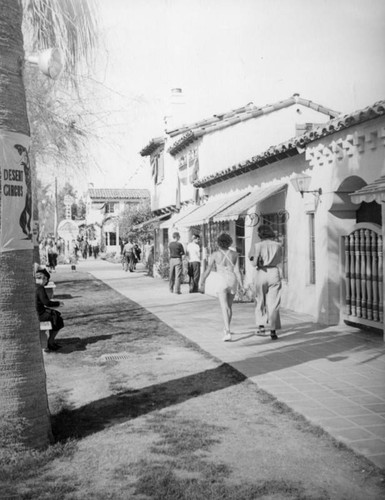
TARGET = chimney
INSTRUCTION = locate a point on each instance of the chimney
(176, 109)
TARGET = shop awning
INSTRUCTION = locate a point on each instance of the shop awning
(205, 212)
(151, 221)
(98, 206)
(241, 207)
(176, 218)
(372, 192)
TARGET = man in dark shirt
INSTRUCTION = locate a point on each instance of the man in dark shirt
(43, 304)
(176, 251)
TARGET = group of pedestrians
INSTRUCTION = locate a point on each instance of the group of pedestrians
(222, 277)
(50, 249)
(131, 253)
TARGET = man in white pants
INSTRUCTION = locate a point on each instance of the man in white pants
(194, 263)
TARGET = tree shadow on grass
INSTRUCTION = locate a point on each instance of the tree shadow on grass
(98, 415)
(65, 296)
(71, 344)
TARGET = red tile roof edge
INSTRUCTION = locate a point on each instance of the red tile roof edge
(291, 147)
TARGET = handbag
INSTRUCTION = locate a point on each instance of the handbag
(259, 262)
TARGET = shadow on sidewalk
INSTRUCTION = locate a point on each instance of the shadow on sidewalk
(130, 404)
(307, 345)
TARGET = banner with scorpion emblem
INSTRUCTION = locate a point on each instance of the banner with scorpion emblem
(16, 192)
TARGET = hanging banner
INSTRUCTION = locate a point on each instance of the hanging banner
(16, 193)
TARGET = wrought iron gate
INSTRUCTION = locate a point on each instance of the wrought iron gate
(363, 249)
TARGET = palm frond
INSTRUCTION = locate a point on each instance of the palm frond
(70, 25)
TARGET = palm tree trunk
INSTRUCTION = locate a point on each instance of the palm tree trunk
(24, 415)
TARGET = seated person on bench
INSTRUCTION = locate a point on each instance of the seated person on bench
(43, 304)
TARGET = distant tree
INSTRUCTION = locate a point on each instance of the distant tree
(59, 137)
(46, 209)
(131, 218)
(24, 415)
(79, 209)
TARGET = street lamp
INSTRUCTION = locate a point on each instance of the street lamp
(49, 61)
(301, 184)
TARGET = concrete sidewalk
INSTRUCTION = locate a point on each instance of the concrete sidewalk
(333, 376)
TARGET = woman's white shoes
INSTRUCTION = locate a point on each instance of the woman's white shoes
(227, 337)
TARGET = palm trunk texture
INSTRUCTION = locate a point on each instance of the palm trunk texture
(24, 414)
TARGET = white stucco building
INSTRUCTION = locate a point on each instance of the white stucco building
(103, 209)
(233, 171)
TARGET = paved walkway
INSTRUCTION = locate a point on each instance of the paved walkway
(333, 376)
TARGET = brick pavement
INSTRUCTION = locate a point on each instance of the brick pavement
(333, 376)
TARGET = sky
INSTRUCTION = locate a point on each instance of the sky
(224, 54)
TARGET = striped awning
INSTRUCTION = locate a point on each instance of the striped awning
(205, 212)
(241, 207)
(177, 218)
(151, 221)
(374, 191)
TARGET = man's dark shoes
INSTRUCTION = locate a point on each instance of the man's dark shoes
(273, 335)
(52, 347)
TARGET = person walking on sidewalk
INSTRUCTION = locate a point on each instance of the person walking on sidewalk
(128, 254)
(266, 257)
(225, 281)
(194, 263)
(176, 253)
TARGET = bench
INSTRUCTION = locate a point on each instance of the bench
(45, 328)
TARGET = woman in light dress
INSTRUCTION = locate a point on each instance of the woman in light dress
(225, 281)
(266, 257)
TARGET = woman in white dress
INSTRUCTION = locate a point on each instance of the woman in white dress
(225, 281)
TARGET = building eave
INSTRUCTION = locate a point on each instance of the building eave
(191, 132)
(296, 145)
(152, 146)
(272, 155)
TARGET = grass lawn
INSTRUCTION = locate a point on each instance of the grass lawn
(138, 412)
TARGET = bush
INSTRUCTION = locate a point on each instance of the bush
(162, 268)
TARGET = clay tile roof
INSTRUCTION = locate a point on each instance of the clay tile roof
(191, 132)
(152, 146)
(296, 144)
(118, 194)
(346, 121)
(271, 155)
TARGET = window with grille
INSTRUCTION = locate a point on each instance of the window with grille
(214, 230)
(165, 241)
(110, 238)
(110, 208)
(240, 242)
(311, 249)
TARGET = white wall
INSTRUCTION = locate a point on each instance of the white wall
(230, 146)
(360, 155)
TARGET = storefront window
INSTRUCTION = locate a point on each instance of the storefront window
(214, 230)
(110, 238)
(240, 242)
(311, 249)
